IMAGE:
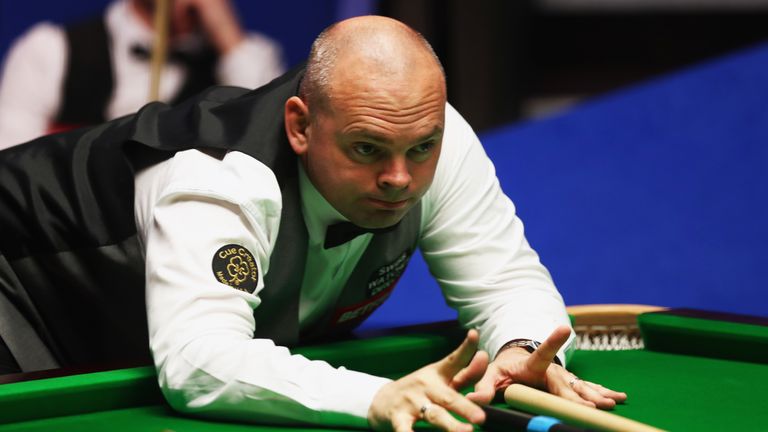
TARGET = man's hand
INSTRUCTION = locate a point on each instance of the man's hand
(217, 19)
(431, 393)
(516, 365)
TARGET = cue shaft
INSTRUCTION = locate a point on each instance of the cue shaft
(159, 47)
(506, 420)
(533, 400)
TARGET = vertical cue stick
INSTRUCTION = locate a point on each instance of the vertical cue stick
(159, 47)
(532, 400)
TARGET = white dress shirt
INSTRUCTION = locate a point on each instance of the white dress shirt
(201, 330)
(33, 76)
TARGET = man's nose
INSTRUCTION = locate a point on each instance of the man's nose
(395, 175)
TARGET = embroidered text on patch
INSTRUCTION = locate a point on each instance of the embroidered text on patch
(234, 265)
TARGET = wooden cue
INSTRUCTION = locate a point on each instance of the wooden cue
(539, 402)
(159, 47)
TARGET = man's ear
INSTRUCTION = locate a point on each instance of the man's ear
(297, 124)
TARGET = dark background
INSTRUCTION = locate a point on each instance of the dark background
(505, 60)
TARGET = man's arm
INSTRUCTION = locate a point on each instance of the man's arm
(201, 329)
(30, 86)
(476, 248)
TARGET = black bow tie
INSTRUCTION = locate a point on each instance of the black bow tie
(342, 232)
(143, 53)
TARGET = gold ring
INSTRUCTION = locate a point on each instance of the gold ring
(423, 410)
(573, 380)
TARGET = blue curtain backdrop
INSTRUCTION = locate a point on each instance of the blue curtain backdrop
(655, 194)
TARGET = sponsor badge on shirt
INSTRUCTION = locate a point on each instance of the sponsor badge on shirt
(387, 275)
(380, 285)
(233, 265)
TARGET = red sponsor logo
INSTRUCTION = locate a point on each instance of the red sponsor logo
(362, 310)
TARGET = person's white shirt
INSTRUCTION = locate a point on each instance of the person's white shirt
(33, 74)
(201, 331)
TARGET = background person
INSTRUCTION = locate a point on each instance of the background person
(57, 78)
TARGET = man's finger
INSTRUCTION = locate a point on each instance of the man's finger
(540, 359)
(440, 418)
(619, 397)
(572, 395)
(402, 423)
(472, 373)
(591, 394)
(485, 389)
(458, 359)
(456, 403)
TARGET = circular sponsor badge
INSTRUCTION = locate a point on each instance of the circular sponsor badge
(233, 265)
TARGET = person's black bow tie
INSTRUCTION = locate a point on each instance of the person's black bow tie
(143, 53)
(342, 232)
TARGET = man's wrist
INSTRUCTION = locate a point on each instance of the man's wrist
(526, 344)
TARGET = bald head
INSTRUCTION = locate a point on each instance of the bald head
(371, 49)
(368, 123)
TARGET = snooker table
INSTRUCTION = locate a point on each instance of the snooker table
(696, 373)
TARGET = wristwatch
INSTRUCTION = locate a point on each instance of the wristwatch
(527, 344)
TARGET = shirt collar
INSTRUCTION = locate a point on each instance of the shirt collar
(318, 213)
(126, 26)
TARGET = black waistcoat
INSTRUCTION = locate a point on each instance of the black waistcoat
(89, 77)
(68, 236)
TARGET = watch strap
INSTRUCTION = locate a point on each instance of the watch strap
(527, 344)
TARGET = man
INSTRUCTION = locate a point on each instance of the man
(59, 77)
(238, 209)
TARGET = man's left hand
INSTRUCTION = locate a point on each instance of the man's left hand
(217, 18)
(516, 365)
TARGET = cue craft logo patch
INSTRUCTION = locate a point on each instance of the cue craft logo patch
(233, 265)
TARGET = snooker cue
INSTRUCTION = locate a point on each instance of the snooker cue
(506, 420)
(533, 400)
(159, 47)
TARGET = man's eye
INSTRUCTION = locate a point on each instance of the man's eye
(365, 149)
(423, 147)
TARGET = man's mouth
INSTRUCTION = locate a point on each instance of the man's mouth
(389, 204)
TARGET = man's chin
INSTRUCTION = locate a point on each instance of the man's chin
(380, 219)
